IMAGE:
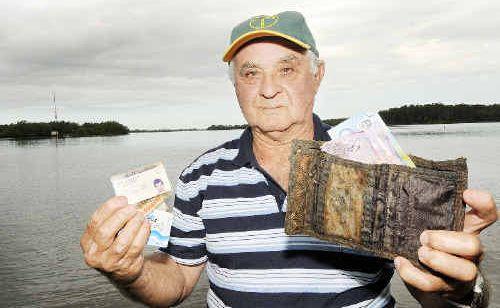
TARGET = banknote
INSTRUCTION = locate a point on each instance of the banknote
(364, 137)
(148, 188)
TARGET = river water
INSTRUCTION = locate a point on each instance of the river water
(49, 189)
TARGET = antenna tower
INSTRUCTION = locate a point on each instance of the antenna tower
(55, 106)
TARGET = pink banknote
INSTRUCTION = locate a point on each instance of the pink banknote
(365, 138)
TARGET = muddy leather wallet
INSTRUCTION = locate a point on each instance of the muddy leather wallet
(381, 209)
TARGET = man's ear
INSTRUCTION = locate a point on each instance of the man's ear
(320, 72)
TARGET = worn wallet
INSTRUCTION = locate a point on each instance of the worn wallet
(377, 208)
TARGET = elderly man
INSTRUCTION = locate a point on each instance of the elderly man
(231, 201)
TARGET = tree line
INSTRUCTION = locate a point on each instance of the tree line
(24, 129)
(221, 127)
(408, 114)
(436, 113)
(441, 114)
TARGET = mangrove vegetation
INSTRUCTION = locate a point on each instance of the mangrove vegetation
(405, 115)
(441, 114)
(422, 114)
(24, 129)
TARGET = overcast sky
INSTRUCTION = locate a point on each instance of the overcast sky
(157, 64)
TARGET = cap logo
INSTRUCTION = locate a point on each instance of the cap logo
(263, 22)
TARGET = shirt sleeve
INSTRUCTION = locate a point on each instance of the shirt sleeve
(187, 236)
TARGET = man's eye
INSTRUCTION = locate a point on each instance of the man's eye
(286, 70)
(250, 74)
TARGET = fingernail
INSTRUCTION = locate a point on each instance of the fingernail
(397, 262)
(424, 238)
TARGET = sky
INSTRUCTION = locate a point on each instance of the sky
(157, 64)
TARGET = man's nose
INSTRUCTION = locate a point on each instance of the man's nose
(269, 86)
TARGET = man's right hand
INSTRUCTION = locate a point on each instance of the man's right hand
(114, 240)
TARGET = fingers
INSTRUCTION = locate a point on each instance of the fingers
(115, 238)
(483, 210)
(107, 209)
(419, 279)
(449, 265)
(100, 215)
(85, 241)
(132, 260)
(106, 232)
(448, 253)
(140, 240)
(457, 243)
(126, 236)
(480, 200)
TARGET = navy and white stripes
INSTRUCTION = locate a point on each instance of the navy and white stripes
(227, 213)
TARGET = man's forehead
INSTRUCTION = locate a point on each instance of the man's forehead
(289, 58)
(267, 53)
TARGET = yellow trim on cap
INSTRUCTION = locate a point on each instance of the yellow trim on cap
(231, 50)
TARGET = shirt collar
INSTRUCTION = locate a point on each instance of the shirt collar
(245, 152)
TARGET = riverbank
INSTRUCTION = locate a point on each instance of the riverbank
(61, 129)
(405, 115)
(420, 114)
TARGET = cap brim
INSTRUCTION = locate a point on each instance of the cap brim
(233, 48)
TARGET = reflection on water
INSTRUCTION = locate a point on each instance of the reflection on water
(463, 129)
(49, 189)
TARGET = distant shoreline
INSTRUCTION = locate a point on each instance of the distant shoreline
(166, 130)
(405, 115)
(139, 131)
(61, 129)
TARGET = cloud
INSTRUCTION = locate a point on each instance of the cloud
(123, 58)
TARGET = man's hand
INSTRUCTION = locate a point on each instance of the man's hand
(454, 255)
(114, 240)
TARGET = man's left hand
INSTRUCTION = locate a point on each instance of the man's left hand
(454, 255)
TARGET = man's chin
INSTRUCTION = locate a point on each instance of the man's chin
(273, 120)
(274, 126)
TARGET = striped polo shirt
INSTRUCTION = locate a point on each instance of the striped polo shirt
(230, 213)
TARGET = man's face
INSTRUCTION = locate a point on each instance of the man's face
(274, 85)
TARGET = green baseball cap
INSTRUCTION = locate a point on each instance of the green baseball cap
(288, 25)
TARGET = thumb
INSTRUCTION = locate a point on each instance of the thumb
(483, 210)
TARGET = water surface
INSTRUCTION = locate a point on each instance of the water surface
(49, 189)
